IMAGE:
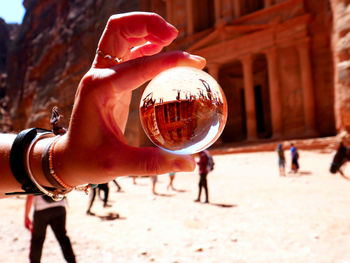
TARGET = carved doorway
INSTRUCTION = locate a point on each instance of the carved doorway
(231, 81)
(261, 97)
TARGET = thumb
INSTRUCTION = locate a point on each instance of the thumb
(153, 161)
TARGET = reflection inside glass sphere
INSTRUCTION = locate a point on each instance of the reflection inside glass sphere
(183, 110)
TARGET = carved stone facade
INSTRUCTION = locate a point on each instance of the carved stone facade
(272, 58)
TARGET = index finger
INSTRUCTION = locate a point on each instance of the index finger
(124, 30)
(150, 26)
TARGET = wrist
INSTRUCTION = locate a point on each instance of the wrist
(63, 163)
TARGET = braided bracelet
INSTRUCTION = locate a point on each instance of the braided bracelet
(56, 195)
(46, 167)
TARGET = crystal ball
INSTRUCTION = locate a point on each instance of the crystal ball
(183, 110)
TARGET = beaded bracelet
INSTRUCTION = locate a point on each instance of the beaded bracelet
(49, 171)
(51, 168)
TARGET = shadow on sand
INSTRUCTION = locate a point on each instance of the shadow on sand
(299, 173)
(180, 190)
(163, 195)
(108, 217)
(223, 205)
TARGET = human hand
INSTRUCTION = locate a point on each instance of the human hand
(28, 223)
(94, 149)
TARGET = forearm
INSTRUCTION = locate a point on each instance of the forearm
(28, 206)
(8, 182)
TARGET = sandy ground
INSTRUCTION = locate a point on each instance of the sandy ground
(254, 216)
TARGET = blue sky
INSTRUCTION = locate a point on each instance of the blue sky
(12, 11)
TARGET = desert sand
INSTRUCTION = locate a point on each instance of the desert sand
(254, 216)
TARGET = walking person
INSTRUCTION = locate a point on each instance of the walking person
(295, 158)
(99, 188)
(171, 181)
(281, 160)
(47, 212)
(206, 164)
(154, 180)
(119, 188)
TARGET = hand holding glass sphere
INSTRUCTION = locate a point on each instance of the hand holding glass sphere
(183, 110)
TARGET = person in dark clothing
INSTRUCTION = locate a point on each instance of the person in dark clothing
(99, 188)
(47, 212)
(205, 165)
(281, 160)
(118, 186)
(295, 158)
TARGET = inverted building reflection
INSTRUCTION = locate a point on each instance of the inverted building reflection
(178, 123)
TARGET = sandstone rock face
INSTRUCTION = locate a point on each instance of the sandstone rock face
(53, 49)
(341, 47)
(284, 45)
(5, 37)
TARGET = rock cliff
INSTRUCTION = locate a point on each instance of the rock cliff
(5, 37)
(53, 49)
(341, 55)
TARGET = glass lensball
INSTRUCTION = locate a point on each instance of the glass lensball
(183, 110)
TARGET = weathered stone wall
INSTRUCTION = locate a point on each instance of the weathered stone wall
(320, 28)
(341, 55)
(5, 37)
(54, 48)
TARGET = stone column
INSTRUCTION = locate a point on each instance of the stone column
(249, 97)
(217, 10)
(307, 87)
(237, 8)
(189, 17)
(274, 93)
(169, 10)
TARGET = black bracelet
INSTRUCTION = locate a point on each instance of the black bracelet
(17, 160)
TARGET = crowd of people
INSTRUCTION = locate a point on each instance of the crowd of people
(294, 159)
(49, 213)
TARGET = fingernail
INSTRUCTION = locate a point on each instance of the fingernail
(192, 61)
(172, 27)
(198, 58)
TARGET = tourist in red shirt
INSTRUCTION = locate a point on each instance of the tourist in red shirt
(205, 164)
